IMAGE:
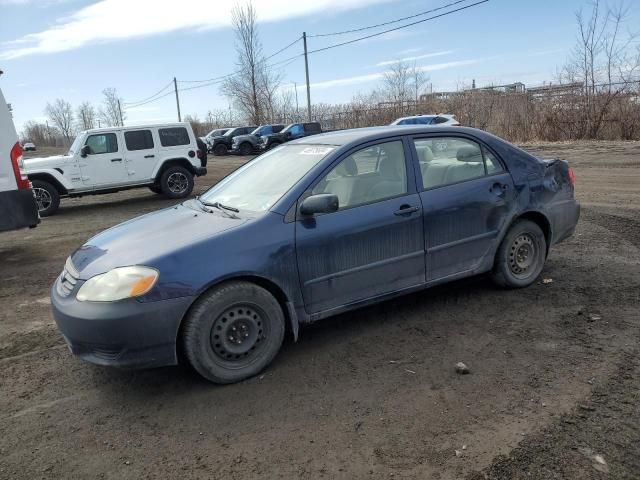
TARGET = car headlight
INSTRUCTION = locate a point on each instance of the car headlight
(117, 284)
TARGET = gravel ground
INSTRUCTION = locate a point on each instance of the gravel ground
(553, 390)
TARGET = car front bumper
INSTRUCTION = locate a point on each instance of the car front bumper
(127, 333)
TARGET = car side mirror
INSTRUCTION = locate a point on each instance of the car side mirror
(86, 150)
(321, 203)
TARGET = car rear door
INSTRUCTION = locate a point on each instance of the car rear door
(373, 245)
(141, 154)
(467, 196)
(104, 165)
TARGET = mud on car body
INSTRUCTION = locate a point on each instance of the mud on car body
(316, 227)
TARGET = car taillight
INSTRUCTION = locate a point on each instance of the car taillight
(572, 177)
(18, 167)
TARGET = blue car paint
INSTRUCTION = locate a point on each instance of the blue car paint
(382, 254)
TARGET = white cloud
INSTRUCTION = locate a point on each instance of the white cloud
(417, 57)
(110, 20)
(340, 82)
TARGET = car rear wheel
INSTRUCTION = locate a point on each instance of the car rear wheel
(176, 182)
(233, 332)
(245, 149)
(521, 255)
(273, 145)
(47, 197)
(220, 149)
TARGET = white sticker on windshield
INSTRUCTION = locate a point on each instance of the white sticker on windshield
(316, 150)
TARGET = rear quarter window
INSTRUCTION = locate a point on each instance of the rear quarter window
(172, 137)
(138, 140)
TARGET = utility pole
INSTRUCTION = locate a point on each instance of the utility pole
(295, 86)
(175, 87)
(120, 112)
(306, 69)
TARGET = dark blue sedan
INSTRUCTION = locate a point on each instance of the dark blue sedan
(315, 227)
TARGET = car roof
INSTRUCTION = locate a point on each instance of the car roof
(137, 127)
(368, 134)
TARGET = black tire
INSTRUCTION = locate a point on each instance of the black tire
(233, 332)
(245, 149)
(47, 197)
(220, 149)
(521, 255)
(176, 182)
(155, 189)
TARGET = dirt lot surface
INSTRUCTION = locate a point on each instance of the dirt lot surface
(554, 389)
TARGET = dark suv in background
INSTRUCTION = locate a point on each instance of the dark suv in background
(291, 132)
(247, 144)
(221, 144)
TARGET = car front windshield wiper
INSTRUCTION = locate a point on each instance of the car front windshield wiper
(223, 208)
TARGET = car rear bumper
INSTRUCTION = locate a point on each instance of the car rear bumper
(565, 216)
(126, 333)
(201, 171)
(18, 209)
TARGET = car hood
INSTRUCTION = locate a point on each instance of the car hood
(249, 136)
(42, 162)
(147, 239)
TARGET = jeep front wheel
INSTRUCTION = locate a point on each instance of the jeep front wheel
(176, 182)
(47, 197)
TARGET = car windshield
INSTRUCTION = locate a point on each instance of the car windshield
(263, 181)
(215, 133)
(289, 127)
(263, 130)
(229, 132)
(75, 146)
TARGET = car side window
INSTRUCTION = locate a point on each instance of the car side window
(138, 140)
(172, 137)
(102, 143)
(369, 175)
(438, 120)
(447, 160)
(424, 121)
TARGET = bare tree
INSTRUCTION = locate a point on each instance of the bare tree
(397, 83)
(418, 80)
(252, 89)
(110, 113)
(61, 115)
(86, 116)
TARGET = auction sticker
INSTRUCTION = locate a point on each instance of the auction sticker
(316, 150)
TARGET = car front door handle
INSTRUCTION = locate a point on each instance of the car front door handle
(149, 156)
(406, 210)
(116, 159)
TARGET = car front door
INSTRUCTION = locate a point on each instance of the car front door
(104, 163)
(467, 196)
(141, 154)
(373, 245)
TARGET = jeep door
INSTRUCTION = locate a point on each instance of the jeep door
(104, 163)
(141, 154)
(373, 245)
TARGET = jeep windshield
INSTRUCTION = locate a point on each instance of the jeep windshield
(75, 146)
(259, 184)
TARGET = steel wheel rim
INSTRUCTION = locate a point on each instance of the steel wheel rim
(238, 335)
(523, 255)
(43, 198)
(177, 182)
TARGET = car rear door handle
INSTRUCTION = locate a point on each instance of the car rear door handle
(499, 188)
(149, 156)
(406, 210)
(116, 159)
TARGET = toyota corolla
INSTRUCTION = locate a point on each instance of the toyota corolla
(310, 229)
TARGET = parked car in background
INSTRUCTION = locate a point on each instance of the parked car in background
(216, 132)
(18, 207)
(290, 132)
(248, 144)
(440, 120)
(29, 147)
(221, 144)
(316, 227)
(162, 157)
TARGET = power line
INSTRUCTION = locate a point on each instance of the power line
(387, 23)
(397, 28)
(148, 98)
(170, 92)
(283, 49)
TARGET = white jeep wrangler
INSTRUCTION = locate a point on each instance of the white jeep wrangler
(164, 158)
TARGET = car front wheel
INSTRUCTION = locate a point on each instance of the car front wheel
(47, 197)
(176, 182)
(521, 255)
(220, 149)
(233, 332)
(245, 149)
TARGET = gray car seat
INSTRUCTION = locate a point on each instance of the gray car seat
(343, 184)
(391, 181)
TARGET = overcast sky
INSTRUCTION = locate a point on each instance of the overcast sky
(72, 49)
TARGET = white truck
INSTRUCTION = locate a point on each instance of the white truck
(17, 204)
(165, 158)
